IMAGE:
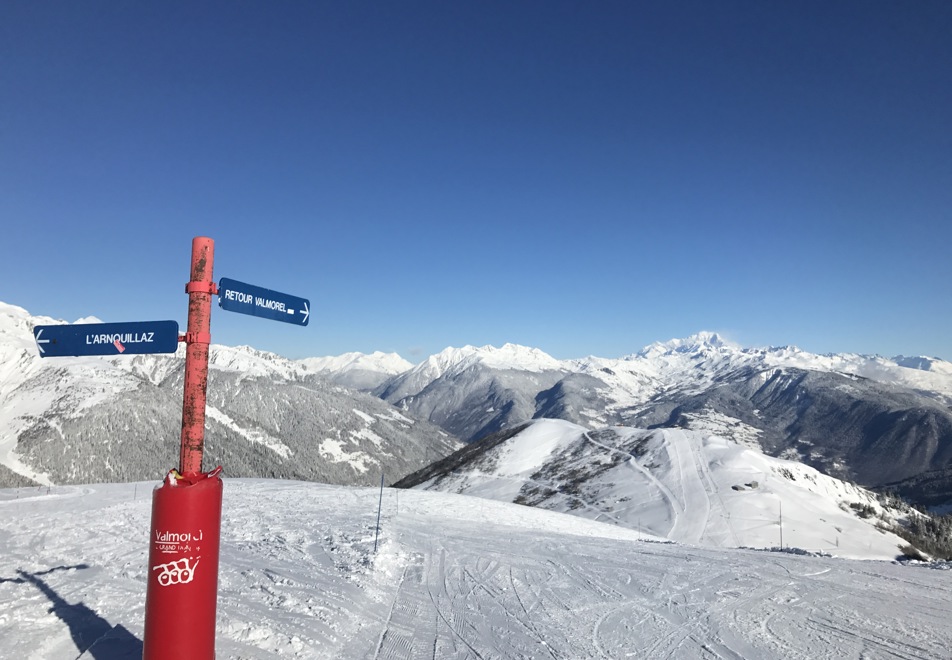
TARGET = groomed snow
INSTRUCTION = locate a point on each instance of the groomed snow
(454, 577)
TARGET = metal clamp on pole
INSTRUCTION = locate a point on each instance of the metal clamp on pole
(196, 338)
(202, 287)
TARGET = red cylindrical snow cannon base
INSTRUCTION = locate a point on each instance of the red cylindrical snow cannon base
(182, 591)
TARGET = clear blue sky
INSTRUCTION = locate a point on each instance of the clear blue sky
(585, 178)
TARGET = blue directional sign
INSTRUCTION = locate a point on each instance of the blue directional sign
(235, 296)
(107, 338)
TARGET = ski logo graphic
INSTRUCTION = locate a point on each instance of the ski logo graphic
(177, 572)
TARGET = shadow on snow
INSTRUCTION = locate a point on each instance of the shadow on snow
(95, 638)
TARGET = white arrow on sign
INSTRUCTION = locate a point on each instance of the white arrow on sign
(304, 311)
(41, 341)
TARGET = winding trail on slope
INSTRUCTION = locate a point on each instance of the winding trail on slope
(691, 512)
(696, 503)
(704, 470)
(674, 505)
(686, 526)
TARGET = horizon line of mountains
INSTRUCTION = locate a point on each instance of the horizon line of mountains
(878, 422)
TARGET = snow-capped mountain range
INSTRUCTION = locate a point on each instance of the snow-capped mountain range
(358, 370)
(868, 419)
(103, 419)
(682, 366)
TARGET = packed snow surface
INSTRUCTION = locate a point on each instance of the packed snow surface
(453, 577)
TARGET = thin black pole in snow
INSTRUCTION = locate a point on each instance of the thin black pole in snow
(781, 524)
(379, 505)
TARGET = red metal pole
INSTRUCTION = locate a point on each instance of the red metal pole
(182, 581)
(200, 290)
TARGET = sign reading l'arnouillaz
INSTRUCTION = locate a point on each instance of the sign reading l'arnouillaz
(106, 338)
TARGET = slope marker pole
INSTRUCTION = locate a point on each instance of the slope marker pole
(198, 336)
(379, 505)
(182, 580)
(781, 524)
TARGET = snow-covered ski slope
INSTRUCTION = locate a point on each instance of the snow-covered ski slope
(454, 577)
(687, 486)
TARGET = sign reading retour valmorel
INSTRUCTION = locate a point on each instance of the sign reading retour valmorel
(235, 296)
(106, 338)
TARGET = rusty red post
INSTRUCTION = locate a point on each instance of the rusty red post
(198, 336)
(182, 580)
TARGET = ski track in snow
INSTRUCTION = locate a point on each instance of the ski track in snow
(713, 493)
(695, 503)
(692, 509)
(454, 577)
(673, 503)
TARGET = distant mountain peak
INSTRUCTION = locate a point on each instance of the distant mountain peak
(704, 340)
(6, 309)
(922, 363)
(915, 362)
(378, 361)
(508, 356)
